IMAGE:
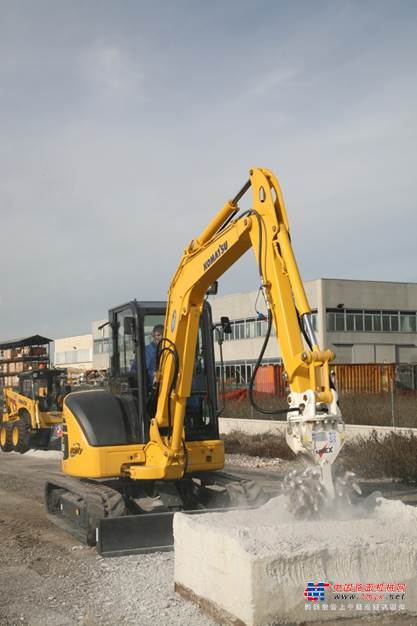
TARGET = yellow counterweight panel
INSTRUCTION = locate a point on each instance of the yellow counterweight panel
(90, 461)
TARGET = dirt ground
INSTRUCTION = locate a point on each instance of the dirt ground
(48, 579)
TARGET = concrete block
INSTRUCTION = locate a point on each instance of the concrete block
(251, 568)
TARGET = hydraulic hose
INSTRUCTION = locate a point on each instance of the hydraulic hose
(255, 370)
(171, 350)
(220, 411)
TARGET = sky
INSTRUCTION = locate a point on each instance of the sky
(126, 125)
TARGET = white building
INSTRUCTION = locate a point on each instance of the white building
(101, 344)
(74, 352)
(362, 321)
(86, 352)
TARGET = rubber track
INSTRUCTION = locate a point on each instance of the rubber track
(101, 501)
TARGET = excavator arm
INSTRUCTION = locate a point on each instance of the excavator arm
(315, 427)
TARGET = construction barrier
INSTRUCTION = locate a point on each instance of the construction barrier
(383, 394)
(355, 378)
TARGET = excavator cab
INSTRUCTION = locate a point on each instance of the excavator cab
(106, 433)
(133, 364)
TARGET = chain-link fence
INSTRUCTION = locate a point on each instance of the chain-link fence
(392, 403)
(371, 394)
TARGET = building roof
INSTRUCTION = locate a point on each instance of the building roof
(33, 340)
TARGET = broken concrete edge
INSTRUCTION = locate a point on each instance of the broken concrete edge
(208, 607)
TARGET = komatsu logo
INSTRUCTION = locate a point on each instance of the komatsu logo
(218, 253)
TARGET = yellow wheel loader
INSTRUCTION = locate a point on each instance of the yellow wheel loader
(150, 446)
(32, 413)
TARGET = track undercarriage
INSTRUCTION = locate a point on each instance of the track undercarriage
(126, 517)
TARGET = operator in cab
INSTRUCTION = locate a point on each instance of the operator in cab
(150, 356)
(151, 351)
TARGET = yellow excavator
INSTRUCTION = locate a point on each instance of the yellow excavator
(150, 445)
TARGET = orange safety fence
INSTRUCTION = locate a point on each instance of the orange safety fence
(355, 378)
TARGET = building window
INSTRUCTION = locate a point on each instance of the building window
(377, 321)
(237, 374)
(350, 321)
(241, 329)
(408, 322)
(368, 322)
(354, 320)
(101, 346)
(71, 357)
(340, 321)
(359, 321)
(386, 326)
(394, 323)
(330, 323)
(371, 321)
(250, 330)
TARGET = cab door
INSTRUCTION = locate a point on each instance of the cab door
(125, 372)
(123, 356)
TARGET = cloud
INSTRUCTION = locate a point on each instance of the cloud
(110, 70)
(125, 127)
(272, 80)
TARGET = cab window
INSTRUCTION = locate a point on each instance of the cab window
(125, 358)
(27, 389)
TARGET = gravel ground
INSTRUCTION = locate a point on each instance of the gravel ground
(244, 460)
(49, 579)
